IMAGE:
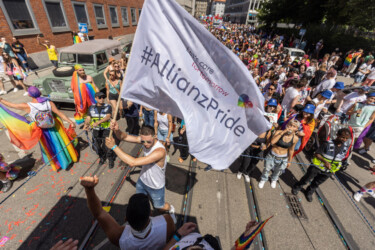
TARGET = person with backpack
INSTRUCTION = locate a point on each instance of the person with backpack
(47, 128)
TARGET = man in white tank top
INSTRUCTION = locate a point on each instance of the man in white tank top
(141, 231)
(152, 177)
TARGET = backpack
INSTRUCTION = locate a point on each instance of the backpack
(44, 118)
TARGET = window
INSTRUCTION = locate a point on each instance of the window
(101, 59)
(99, 16)
(20, 17)
(56, 15)
(139, 13)
(124, 16)
(68, 58)
(134, 16)
(114, 16)
(80, 12)
(85, 59)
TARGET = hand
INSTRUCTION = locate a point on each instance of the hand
(187, 228)
(288, 165)
(327, 165)
(168, 141)
(67, 245)
(114, 125)
(95, 124)
(250, 227)
(263, 147)
(359, 111)
(300, 133)
(140, 114)
(86, 127)
(110, 142)
(89, 181)
(73, 125)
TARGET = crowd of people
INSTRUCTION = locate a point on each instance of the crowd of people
(299, 92)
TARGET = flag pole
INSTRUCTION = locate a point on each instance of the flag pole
(119, 97)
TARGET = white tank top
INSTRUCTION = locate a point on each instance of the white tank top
(151, 174)
(35, 107)
(156, 239)
(163, 121)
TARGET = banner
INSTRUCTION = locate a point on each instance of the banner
(178, 67)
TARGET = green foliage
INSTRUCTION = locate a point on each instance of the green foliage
(358, 13)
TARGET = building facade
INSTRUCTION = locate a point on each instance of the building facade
(186, 4)
(243, 11)
(218, 7)
(201, 7)
(57, 19)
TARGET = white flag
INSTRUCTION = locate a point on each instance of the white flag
(178, 67)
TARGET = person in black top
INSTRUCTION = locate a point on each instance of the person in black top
(21, 53)
(98, 118)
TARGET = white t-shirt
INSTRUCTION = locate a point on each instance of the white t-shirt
(151, 174)
(324, 85)
(370, 76)
(350, 99)
(290, 94)
(363, 67)
(2, 70)
(189, 240)
(156, 239)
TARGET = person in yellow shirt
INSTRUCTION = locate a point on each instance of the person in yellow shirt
(51, 50)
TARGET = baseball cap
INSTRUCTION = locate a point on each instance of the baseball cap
(372, 94)
(339, 85)
(272, 102)
(309, 108)
(99, 94)
(326, 93)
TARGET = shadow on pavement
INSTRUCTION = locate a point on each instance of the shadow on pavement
(360, 162)
(346, 178)
(176, 179)
(370, 200)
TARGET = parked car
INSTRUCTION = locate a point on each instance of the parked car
(295, 54)
(92, 55)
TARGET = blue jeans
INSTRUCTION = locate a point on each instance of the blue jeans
(23, 59)
(163, 134)
(157, 196)
(277, 164)
(358, 78)
(149, 117)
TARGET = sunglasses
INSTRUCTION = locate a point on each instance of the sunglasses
(271, 89)
(101, 97)
(144, 142)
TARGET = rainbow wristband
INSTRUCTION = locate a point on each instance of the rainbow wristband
(113, 148)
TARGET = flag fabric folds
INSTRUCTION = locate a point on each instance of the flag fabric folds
(178, 67)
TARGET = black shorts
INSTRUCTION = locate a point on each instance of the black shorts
(113, 97)
(371, 133)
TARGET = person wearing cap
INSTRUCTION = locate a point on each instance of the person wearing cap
(272, 110)
(98, 118)
(327, 161)
(349, 100)
(320, 102)
(328, 83)
(362, 114)
(337, 94)
(141, 231)
(306, 117)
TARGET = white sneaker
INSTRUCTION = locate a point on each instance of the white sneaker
(273, 184)
(247, 178)
(362, 151)
(357, 196)
(261, 184)
(25, 94)
(171, 213)
(239, 174)
(15, 89)
(3, 92)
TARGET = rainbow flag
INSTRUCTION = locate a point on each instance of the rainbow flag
(244, 242)
(77, 39)
(84, 97)
(24, 134)
(53, 141)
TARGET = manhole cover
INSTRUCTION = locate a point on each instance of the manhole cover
(295, 206)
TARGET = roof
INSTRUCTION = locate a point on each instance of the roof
(92, 46)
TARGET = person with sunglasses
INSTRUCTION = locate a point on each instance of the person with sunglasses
(153, 164)
(98, 118)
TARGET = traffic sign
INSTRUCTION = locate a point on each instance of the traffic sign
(83, 28)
